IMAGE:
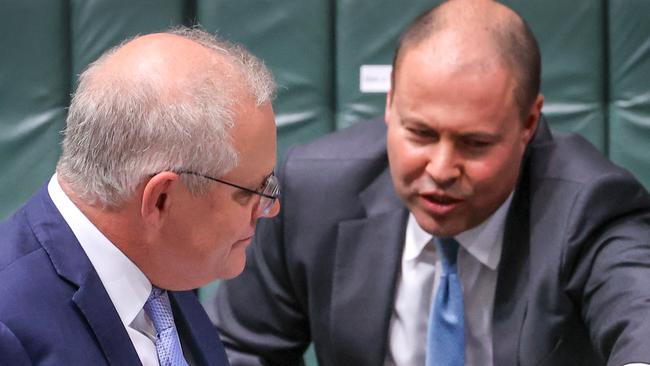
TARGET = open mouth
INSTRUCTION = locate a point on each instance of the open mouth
(440, 199)
(439, 204)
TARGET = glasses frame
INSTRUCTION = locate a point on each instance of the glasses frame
(269, 181)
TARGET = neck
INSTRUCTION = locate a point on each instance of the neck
(121, 225)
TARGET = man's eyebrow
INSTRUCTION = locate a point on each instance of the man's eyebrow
(414, 121)
(481, 135)
(469, 134)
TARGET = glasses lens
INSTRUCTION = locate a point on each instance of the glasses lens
(265, 205)
(271, 186)
(272, 189)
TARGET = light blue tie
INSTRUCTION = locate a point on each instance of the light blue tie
(446, 334)
(168, 346)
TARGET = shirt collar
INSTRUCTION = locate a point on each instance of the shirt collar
(126, 285)
(484, 242)
(416, 239)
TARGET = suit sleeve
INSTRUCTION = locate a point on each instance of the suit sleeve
(610, 265)
(260, 318)
(11, 350)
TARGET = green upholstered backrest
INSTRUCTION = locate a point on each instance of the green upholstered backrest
(571, 36)
(325, 56)
(295, 40)
(366, 35)
(34, 92)
(628, 86)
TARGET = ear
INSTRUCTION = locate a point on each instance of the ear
(530, 125)
(389, 104)
(157, 198)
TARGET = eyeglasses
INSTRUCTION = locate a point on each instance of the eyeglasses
(269, 192)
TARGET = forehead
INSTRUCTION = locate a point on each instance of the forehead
(435, 82)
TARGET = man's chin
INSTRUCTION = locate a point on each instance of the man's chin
(234, 268)
(440, 227)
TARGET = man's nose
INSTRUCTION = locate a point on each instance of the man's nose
(443, 166)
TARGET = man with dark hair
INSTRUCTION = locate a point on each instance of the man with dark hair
(167, 164)
(458, 232)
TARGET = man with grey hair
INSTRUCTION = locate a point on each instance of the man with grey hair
(167, 164)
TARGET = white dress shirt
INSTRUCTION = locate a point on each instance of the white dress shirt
(478, 259)
(127, 287)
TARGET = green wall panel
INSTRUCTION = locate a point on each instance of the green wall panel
(366, 34)
(294, 38)
(98, 25)
(34, 69)
(596, 74)
(629, 85)
(571, 36)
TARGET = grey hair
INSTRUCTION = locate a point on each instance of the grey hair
(120, 131)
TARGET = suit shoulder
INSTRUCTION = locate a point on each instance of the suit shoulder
(571, 158)
(572, 176)
(364, 140)
(17, 241)
(351, 157)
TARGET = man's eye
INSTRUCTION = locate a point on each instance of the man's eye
(418, 132)
(243, 197)
(477, 143)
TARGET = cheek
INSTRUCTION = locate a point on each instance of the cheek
(406, 162)
(227, 254)
(494, 177)
(231, 224)
(486, 169)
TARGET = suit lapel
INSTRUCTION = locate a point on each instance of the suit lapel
(196, 330)
(96, 306)
(511, 296)
(72, 264)
(368, 253)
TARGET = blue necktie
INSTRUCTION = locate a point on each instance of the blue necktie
(168, 345)
(446, 334)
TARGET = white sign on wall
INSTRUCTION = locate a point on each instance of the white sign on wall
(374, 78)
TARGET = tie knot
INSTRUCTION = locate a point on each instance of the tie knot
(447, 249)
(159, 309)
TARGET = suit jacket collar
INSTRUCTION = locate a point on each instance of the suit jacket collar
(89, 295)
(201, 337)
(380, 196)
(542, 136)
(71, 263)
(368, 253)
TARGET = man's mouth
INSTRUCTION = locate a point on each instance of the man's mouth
(439, 204)
(441, 199)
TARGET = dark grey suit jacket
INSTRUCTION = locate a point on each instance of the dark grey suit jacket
(574, 278)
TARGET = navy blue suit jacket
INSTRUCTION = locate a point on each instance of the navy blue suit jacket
(54, 309)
